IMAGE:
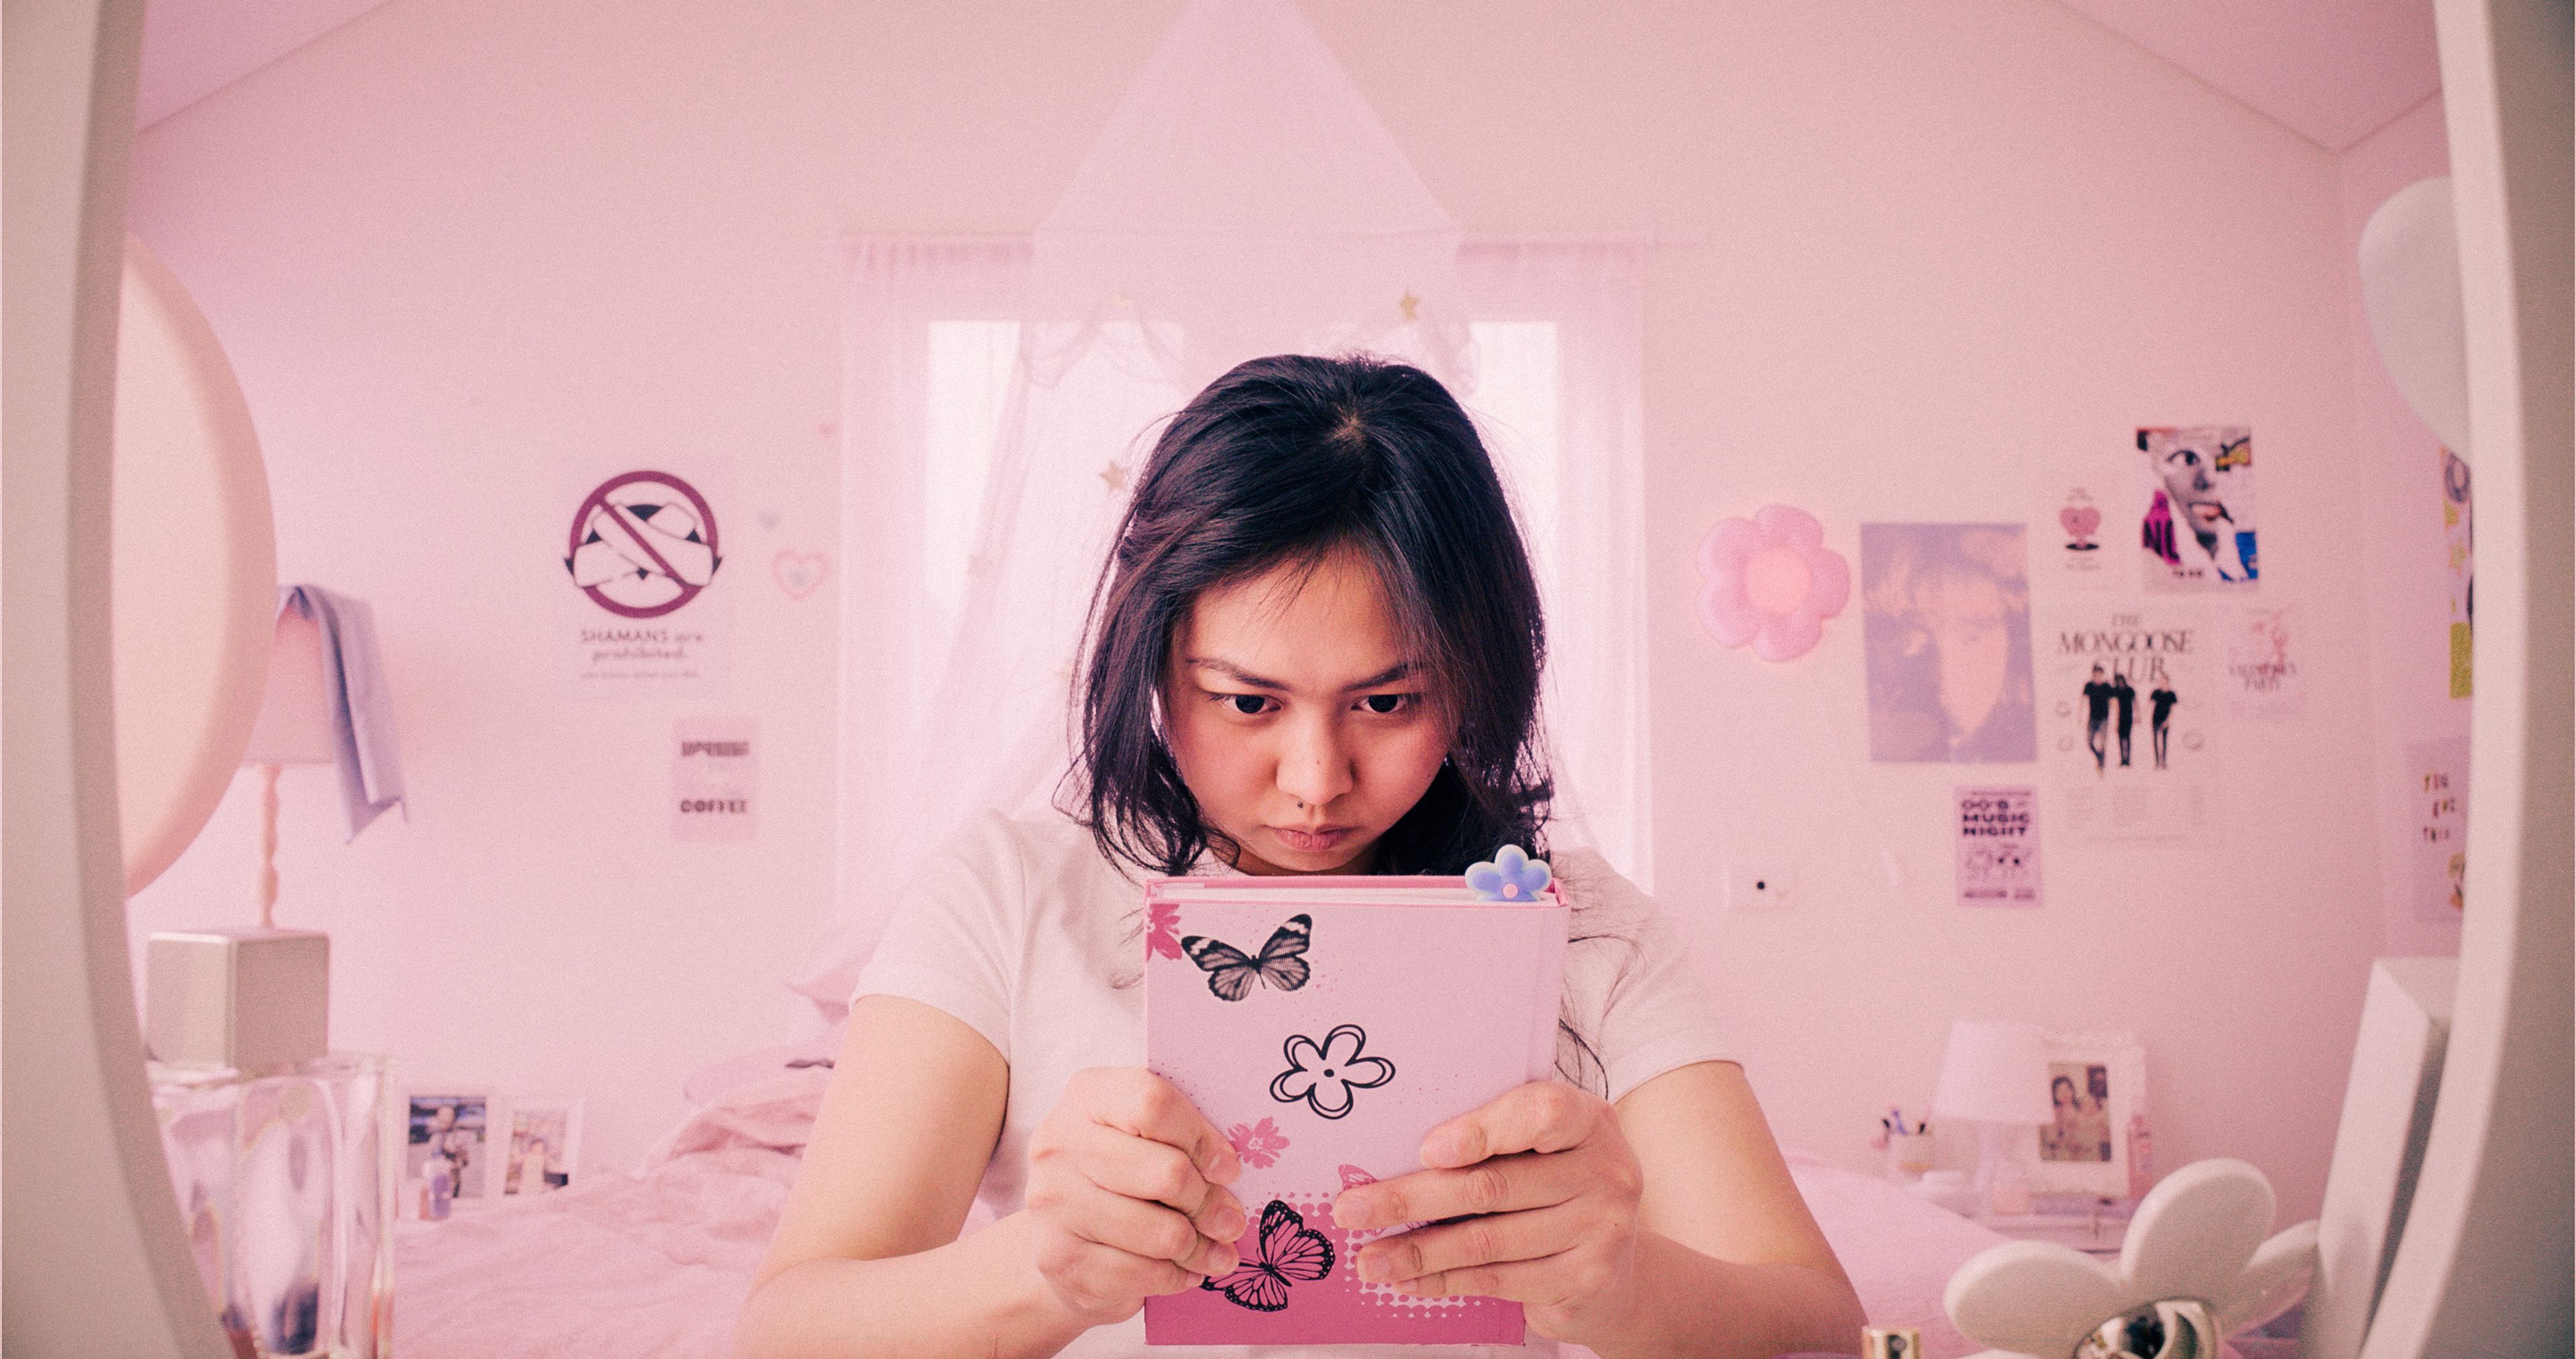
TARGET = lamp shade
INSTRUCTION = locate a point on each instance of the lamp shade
(294, 725)
(1994, 1073)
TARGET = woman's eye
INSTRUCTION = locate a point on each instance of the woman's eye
(1249, 705)
(1384, 704)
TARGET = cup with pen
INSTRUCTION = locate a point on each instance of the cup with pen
(1907, 1143)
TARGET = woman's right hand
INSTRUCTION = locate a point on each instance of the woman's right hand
(1126, 1193)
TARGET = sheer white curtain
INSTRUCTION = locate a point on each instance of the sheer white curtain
(980, 489)
(1556, 330)
(1243, 200)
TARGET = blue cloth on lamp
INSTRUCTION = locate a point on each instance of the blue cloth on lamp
(362, 712)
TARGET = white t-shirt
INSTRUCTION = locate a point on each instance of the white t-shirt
(1025, 932)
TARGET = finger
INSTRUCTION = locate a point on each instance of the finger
(1538, 1116)
(1148, 1106)
(1503, 1184)
(1553, 1281)
(1450, 1247)
(1140, 1168)
(1147, 1231)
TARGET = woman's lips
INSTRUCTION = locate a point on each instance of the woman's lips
(1311, 841)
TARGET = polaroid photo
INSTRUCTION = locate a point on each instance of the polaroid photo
(544, 1146)
(2096, 1082)
(452, 1138)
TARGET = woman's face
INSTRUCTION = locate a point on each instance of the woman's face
(1297, 719)
(2191, 481)
(1970, 623)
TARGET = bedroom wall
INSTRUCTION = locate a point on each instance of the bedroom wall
(1918, 263)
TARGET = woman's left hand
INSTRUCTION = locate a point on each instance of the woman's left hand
(1548, 1190)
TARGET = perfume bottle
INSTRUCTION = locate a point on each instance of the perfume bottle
(285, 1186)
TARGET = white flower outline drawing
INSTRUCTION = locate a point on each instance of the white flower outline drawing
(1321, 1074)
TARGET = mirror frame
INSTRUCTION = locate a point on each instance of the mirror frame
(95, 1259)
(2484, 1266)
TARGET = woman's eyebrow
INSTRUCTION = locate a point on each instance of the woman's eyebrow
(1389, 675)
(1241, 676)
(1235, 672)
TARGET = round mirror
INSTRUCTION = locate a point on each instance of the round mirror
(193, 567)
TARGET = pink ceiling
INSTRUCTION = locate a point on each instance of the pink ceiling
(192, 48)
(2333, 71)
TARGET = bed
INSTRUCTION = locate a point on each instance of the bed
(654, 1265)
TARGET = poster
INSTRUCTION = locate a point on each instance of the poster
(643, 608)
(1998, 847)
(2130, 693)
(1946, 629)
(2461, 561)
(2261, 671)
(715, 778)
(2079, 560)
(2437, 820)
(2198, 529)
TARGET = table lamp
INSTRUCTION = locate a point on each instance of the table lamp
(1996, 1076)
(255, 997)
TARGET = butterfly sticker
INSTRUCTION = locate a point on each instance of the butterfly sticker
(1289, 1252)
(1230, 971)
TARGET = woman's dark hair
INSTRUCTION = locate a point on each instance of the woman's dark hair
(1285, 460)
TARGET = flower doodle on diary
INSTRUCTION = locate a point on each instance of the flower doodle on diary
(1324, 1074)
(1511, 875)
(1289, 1252)
(1163, 920)
(1230, 970)
(1259, 1144)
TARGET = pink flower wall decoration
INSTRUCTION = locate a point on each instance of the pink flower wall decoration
(1770, 581)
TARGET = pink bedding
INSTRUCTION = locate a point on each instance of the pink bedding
(657, 1265)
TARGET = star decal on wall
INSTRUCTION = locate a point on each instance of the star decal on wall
(1114, 476)
(1409, 303)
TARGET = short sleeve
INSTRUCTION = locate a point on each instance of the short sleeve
(952, 942)
(1630, 987)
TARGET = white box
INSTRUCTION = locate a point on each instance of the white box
(239, 996)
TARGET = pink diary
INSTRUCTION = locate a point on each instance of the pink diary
(1326, 1024)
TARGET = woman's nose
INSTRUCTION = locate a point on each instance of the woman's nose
(1314, 768)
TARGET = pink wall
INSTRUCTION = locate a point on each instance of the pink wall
(1921, 261)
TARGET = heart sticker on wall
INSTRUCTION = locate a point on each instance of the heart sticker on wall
(2079, 520)
(799, 573)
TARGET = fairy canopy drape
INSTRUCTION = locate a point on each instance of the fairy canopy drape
(1243, 200)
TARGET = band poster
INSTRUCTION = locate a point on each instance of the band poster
(2129, 697)
(1998, 847)
(2264, 648)
(1945, 629)
(2198, 529)
(2459, 551)
(2437, 822)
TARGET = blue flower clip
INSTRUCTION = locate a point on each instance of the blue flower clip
(1512, 875)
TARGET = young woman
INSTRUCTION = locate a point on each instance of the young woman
(1315, 649)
